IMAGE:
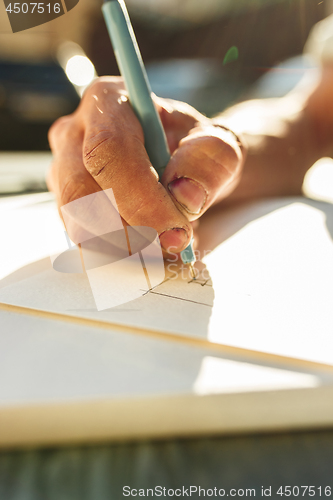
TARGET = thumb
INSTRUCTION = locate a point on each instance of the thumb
(204, 169)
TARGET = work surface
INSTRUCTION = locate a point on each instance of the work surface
(249, 349)
(250, 461)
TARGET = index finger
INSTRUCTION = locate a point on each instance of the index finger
(115, 156)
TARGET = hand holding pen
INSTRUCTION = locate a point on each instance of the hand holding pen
(103, 145)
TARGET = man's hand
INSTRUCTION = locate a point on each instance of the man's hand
(101, 146)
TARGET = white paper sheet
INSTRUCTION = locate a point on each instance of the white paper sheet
(271, 269)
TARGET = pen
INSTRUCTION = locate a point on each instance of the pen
(133, 71)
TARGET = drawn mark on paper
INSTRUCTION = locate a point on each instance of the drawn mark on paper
(198, 281)
(203, 282)
(180, 298)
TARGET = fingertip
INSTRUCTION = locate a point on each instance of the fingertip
(174, 240)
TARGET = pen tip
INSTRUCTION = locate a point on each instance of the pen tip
(192, 272)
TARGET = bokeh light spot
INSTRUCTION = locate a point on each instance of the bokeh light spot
(80, 70)
(231, 55)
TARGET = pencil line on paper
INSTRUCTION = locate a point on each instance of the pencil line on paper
(181, 298)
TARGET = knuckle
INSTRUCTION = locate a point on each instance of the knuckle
(223, 153)
(101, 149)
(109, 83)
(96, 87)
(230, 155)
(58, 129)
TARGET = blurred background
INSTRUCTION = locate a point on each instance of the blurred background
(209, 53)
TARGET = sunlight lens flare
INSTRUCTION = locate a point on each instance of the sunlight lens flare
(80, 70)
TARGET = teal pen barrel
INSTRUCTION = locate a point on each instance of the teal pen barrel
(136, 81)
(187, 255)
(133, 71)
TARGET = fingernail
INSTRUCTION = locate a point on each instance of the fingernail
(189, 194)
(173, 239)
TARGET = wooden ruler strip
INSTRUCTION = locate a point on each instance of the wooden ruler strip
(248, 354)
